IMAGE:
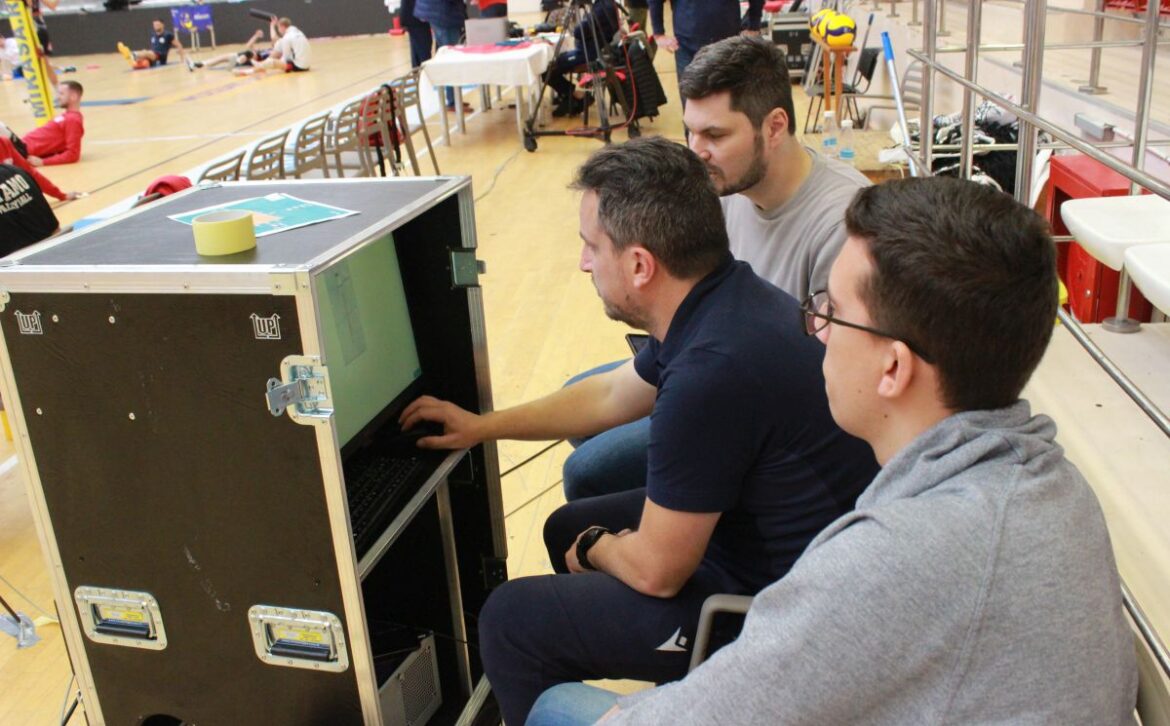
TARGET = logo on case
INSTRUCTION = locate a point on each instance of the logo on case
(30, 324)
(265, 328)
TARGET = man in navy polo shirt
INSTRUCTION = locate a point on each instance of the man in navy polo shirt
(745, 462)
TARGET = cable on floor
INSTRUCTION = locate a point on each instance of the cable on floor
(496, 175)
(26, 598)
(532, 458)
(544, 491)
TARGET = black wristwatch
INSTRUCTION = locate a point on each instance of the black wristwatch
(587, 539)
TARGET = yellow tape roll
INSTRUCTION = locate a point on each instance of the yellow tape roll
(224, 233)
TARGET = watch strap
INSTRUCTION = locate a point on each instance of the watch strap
(589, 538)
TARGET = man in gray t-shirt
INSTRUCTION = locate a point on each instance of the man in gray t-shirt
(792, 244)
(784, 206)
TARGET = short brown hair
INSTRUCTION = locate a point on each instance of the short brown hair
(964, 273)
(658, 194)
(752, 69)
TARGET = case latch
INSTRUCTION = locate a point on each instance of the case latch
(465, 269)
(302, 390)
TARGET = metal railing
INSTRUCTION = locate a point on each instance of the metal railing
(1030, 124)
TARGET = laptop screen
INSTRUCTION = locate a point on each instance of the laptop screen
(487, 31)
(366, 335)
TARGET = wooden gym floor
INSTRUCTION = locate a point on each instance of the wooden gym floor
(543, 318)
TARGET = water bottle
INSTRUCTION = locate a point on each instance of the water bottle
(846, 142)
(829, 135)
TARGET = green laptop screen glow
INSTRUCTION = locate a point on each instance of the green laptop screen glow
(365, 328)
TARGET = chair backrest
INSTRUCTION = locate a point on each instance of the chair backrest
(225, 170)
(405, 96)
(267, 158)
(407, 88)
(375, 110)
(344, 135)
(713, 605)
(912, 83)
(393, 123)
(867, 63)
(343, 132)
(308, 150)
(377, 133)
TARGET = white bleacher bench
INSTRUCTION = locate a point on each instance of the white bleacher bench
(1109, 226)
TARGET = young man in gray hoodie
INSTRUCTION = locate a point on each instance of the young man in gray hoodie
(975, 581)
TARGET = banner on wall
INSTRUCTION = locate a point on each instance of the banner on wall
(192, 17)
(32, 59)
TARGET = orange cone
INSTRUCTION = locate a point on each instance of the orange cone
(397, 29)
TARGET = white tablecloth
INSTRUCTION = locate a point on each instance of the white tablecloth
(512, 67)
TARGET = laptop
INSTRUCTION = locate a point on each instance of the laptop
(375, 371)
(487, 31)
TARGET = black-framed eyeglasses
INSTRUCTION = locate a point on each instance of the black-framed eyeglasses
(817, 313)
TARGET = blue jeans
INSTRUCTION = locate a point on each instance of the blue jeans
(612, 461)
(558, 80)
(571, 704)
(448, 36)
(420, 44)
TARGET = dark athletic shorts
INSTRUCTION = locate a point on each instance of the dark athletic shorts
(43, 37)
(249, 56)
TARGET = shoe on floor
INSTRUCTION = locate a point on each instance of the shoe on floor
(566, 106)
(572, 106)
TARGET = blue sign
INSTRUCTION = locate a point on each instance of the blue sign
(275, 212)
(192, 17)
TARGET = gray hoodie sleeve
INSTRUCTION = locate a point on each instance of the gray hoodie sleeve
(913, 614)
(822, 640)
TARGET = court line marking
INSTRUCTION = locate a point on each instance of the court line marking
(114, 102)
(187, 137)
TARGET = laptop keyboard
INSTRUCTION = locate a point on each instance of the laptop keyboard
(372, 487)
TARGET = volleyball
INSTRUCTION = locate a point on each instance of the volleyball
(839, 30)
(817, 22)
